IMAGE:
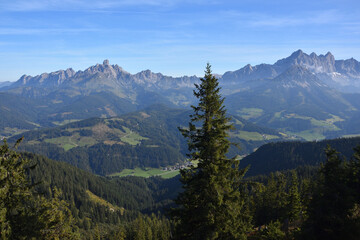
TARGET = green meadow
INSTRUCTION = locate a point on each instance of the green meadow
(146, 172)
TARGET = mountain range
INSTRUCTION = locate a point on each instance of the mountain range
(301, 95)
(5, 84)
(343, 75)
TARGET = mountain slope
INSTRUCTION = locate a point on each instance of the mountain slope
(5, 84)
(104, 146)
(294, 101)
(289, 155)
(148, 138)
(98, 201)
(18, 114)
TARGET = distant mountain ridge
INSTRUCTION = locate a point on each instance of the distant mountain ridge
(5, 84)
(102, 77)
(343, 75)
(297, 93)
(340, 74)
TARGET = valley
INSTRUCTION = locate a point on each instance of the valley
(70, 116)
(110, 139)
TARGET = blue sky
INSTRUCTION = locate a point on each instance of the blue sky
(174, 37)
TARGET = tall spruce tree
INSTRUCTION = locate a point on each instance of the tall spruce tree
(294, 201)
(212, 205)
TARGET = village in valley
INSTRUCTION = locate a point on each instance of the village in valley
(178, 166)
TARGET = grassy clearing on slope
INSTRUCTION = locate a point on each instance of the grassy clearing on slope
(237, 122)
(131, 137)
(169, 174)
(328, 124)
(254, 136)
(103, 202)
(309, 135)
(68, 142)
(66, 121)
(319, 127)
(101, 133)
(249, 113)
(9, 132)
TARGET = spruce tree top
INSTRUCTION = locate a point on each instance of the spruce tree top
(208, 142)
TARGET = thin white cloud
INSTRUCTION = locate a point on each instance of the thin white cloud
(81, 5)
(317, 18)
(257, 19)
(33, 31)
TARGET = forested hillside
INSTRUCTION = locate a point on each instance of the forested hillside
(110, 207)
(147, 138)
(278, 156)
(98, 201)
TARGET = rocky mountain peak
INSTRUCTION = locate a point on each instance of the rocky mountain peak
(248, 68)
(313, 55)
(104, 69)
(312, 62)
(23, 79)
(249, 73)
(148, 76)
(297, 54)
(147, 73)
(329, 54)
(106, 62)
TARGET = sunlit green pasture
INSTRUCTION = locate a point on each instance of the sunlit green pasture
(252, 136)
(249, 113)
(146, 172)
(68, 142)
(132, 138)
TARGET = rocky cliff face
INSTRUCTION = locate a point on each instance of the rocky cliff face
(249, 73)
(46, 79)
(298, 76)
(313, 62)
(349, 67)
